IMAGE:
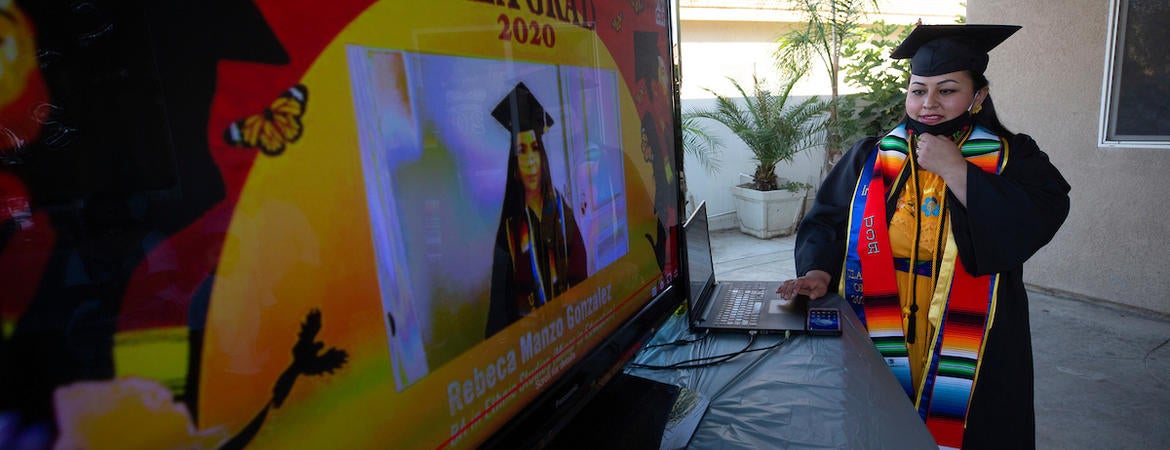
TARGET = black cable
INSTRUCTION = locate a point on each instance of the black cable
(680, 341)
(695, 363)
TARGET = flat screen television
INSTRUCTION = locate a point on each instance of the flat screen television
(351, 224)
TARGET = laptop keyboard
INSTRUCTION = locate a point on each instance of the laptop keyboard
(742, 307)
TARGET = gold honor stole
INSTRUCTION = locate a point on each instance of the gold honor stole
(963, 306)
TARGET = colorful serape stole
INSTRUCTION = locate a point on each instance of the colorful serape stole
(963, 305)
(868, 252)
(953, 363)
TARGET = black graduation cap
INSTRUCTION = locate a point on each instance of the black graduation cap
(646, 55)
(520, 111)
(938, 49)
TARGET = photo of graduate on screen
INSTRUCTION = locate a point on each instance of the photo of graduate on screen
(456, 230)
(539, 252)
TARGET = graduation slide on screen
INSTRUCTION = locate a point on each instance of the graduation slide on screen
(429, 211)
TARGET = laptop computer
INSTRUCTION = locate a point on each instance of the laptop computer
(721, 305)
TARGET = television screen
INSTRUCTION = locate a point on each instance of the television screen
(352, 224)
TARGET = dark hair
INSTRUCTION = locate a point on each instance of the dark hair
(987, 117)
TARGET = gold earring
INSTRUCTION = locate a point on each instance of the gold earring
(977, 109)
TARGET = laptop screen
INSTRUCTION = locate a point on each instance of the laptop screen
(700, 268)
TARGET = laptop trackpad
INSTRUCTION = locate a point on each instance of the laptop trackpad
(780, 306)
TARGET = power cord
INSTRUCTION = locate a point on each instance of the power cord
(708, 361)
(680, 341)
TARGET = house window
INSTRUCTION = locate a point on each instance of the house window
(1136, 107)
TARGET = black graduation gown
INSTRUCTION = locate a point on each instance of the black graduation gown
(514, 287)
(1007, 219)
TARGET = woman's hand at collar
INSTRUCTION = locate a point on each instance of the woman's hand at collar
(942, 157)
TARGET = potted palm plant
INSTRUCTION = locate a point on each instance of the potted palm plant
(775, 130)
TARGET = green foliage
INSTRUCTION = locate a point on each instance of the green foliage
(829, 26)
(882, 80)
(794, 186)
(773, 129)
(700, 143)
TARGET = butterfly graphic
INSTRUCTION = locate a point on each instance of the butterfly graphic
(638, 5)
(274, 128)
(616, 23)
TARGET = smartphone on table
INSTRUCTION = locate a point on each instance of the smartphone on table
(824, 321)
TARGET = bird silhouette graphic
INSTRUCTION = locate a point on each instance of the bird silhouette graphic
(308, 359)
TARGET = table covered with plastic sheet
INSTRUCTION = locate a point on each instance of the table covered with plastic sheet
(800, 391)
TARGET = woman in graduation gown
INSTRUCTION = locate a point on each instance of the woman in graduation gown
(925, 232)
(539, 252)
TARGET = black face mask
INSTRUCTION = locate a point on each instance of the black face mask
(948, 128)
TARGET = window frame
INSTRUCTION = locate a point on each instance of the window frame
(1111, 84)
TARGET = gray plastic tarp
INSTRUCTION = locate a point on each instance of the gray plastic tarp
(808, 392)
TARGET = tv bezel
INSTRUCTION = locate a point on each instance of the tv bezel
(554, 408)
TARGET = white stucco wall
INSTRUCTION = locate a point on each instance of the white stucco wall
(1046, 81)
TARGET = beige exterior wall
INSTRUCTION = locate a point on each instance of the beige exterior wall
(1046, 81)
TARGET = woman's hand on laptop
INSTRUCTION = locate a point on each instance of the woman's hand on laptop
(814, 284)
